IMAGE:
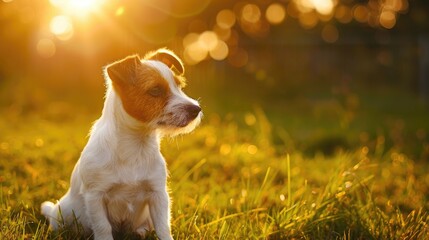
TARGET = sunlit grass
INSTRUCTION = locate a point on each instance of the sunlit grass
(237, 176)
(232, 183)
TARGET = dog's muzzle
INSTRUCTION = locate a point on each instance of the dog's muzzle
(192, 111)
(184, 116)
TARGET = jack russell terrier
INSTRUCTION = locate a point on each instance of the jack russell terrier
(120, 178)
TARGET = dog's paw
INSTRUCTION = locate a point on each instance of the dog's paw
(46, 208)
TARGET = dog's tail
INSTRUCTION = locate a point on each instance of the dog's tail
(50, 211)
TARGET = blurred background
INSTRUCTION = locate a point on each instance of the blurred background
(330, 75)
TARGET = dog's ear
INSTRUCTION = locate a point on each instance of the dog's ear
(168, 58)
(124, 71)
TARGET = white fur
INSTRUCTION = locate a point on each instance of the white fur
(121, 175)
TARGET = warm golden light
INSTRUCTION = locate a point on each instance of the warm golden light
(76, 7)
(120, 11)
(275, 13)
(62, 27)
(198, 46)
(343, 14)
(220, 51)
(251, 13)
(189, 39)
(304, 6)
(225, 18)
(194, 53)
(46, 48)
(308, 20)
(81, 5)
(222, 33)
(324, 7)
(208, 40)
(361, 13)
(395, 5)
(387, 19)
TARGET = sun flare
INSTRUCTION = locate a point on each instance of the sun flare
(77, 7)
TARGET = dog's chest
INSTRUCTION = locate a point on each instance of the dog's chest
(129, 192)
(125, 202)
(137, 161)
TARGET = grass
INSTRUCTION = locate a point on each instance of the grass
(235, 177)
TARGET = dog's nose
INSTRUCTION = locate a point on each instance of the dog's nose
(192, 110)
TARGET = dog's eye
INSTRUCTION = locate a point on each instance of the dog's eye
(156, 91)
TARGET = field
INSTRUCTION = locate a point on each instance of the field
(328, 167)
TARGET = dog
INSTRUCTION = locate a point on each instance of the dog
(120, 177)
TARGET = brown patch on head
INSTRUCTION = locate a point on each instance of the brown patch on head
(142, 89)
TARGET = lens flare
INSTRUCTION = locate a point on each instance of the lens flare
(62, 27)
(76, 7)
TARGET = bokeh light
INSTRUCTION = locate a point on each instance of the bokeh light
(360, 13)
(189, 39)
(303, 6)
(308, 20)
(343, 14)
(225, 19)
(215, 36)
(199, 46)
(194, 53)
(251, 13)
(324, 7)
(220, 51)
(62, 27)
(208, 40)
(222, 33)
(275, 13)
(387, 19)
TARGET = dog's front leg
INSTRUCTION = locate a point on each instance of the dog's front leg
(159, 206)
(97, 214)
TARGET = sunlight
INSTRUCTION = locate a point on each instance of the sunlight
(62, 27)
(76, 7)
(324, 7)
(120, 11)
(46, 48)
